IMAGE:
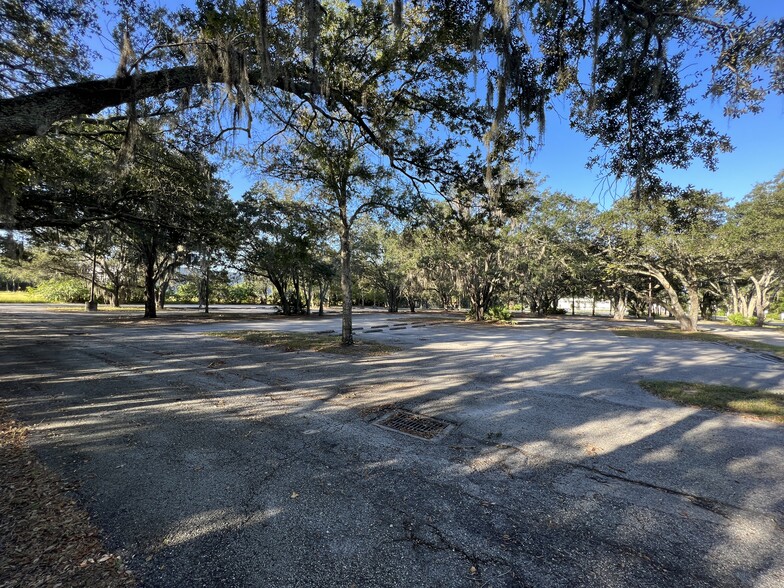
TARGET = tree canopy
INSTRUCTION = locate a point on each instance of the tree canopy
(620, 62)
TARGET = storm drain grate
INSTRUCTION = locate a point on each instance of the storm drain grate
(416, 425)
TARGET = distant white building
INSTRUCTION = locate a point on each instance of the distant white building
(585, 306)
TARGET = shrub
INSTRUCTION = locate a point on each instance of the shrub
(498, 313)
(742, 321)
(61, 290)
(242, 293)
(185, 293)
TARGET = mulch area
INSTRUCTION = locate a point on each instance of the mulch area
(46, 538)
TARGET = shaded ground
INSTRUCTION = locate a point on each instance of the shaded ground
(266, 470)
(46, 539)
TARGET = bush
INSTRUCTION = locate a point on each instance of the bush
(742, 321)
(61, 290)
(777, 306)
(186, 293)
(551, 311)
(242, 293)
(498, 313)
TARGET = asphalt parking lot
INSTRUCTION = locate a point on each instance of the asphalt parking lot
(209, 462)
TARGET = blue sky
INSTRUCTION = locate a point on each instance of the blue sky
(758, 142)
(758, 156)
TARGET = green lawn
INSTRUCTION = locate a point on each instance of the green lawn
(20, 297)
(758, 403)
(306, 342)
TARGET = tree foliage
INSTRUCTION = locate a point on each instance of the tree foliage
(284, 241)
(620, 62)
(753, 241)
(671, 239)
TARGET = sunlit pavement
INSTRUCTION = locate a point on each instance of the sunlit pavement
(211, 462)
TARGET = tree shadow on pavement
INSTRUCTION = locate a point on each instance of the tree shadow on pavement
(266, 470)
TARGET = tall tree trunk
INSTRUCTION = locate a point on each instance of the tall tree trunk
(280, 286)
(114, 296)
(206, 272)
(477, 302)
(619, 305)
(149, 288)
(686, 320)
(346, 335)
(734, 297)
(117, 293)
(296, 306)
(762, 295)
(161, 302)
(393, 293)
(690, 324)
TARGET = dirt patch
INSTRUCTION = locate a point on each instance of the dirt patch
(47, 539)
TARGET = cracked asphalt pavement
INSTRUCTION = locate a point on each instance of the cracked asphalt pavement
(209, 462)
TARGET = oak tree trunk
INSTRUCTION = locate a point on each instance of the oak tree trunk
(346, 335)
(149, 288)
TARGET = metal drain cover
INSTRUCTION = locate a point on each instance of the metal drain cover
(415, 425)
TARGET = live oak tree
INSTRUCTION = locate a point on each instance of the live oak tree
(388, 258)
(284, 240)
(176, 213)
(479, 219)
(164, 202)
(753, 244)
(671, 239)
(377, 261)
(410, 242)
(74, 252)
(553, 243)
(439, 261)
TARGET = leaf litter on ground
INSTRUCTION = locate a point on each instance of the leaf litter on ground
(47, 538)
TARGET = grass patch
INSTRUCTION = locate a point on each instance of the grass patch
(18, 297)
(758, 403)
(101, 308)
(700, 336)
(306, 342)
